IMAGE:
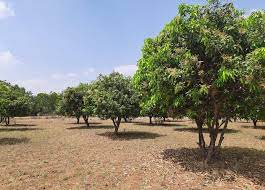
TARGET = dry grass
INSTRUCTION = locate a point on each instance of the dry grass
(58, 154)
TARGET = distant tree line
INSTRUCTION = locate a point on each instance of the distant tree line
(15, 101)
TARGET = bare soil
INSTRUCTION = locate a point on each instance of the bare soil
(59, 154)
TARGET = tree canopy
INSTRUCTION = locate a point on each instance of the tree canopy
(205, 62)
(72, 102)
(14, 101)
(115, 98)
(46, 104)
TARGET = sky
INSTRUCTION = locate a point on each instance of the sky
(48, 45)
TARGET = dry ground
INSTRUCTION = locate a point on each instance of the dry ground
(58, 154)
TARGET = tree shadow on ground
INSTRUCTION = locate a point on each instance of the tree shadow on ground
(91, 127)
(261, 138)
(82, 123)
(178, 121)
(13, 141)
(252, 127)
(233, 161)
(157, 124)
(19, 129)
(242, 122)
(20, 125)
(130, 135)
(205, 130)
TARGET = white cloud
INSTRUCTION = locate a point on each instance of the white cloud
(7, 58)
(89, 71)
(34, 85)
(127, 70)
(5, 10)
(71, 75)
(57, 81)
(56, 76)
(8, 62)
(37, 85)
(59, 76)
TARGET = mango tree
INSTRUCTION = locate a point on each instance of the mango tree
(14, 102)
(204, 63)
(72, 103)
(115, 98)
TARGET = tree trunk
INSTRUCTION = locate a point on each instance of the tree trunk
(77, 120)
(116, 123)
(255, 121)
(164, 119)
(199, 123)
(7, 120)
(222, 134)
(214, 128)
(125, 120)
(86, 120)
(211, 148)
(150, 120)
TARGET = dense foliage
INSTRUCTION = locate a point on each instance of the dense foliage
(205, 63)
(72, 103)
(14, 101)
(114, 98)
(45, 104)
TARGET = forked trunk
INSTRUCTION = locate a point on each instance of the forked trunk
(86, 120)
(212, 148)
(116, 123)
(223, 133)
(214, 128)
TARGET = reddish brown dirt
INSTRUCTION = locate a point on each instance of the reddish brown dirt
(58, 154)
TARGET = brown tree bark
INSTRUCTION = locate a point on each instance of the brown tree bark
(201, 143)
(211, 148)
(255, 121)
(222, 133)
(86, 120)
(116, 123)
(7, 120)
(213, 126)
(150, 120)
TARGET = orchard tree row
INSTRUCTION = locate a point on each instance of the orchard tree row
(15, 101)
(109, 97)
(207, 64)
